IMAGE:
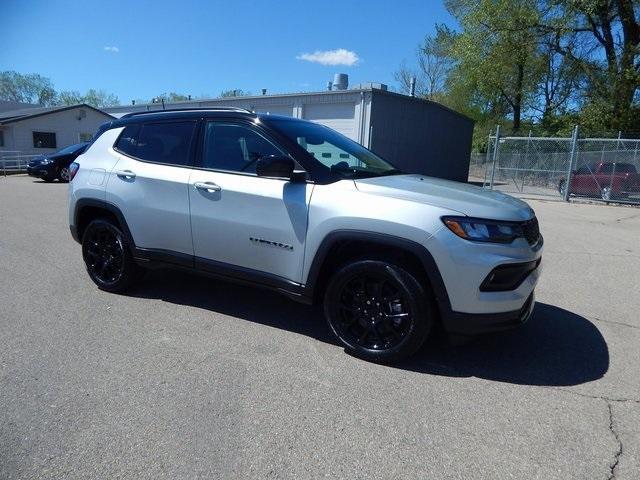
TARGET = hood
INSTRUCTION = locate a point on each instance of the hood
(37, 160)
(463, 198)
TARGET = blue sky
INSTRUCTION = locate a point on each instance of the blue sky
(138, 49)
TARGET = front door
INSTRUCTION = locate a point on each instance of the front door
(241, 221)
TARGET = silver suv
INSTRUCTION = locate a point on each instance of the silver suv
(295, 207)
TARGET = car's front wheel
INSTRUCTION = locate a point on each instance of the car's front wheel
(378, 311)
(107, 256)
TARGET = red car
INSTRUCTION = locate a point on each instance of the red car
(608, 180)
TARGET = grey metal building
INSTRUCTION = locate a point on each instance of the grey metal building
(416, 135)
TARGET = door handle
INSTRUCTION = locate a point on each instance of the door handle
(207, 186)
(125, 174)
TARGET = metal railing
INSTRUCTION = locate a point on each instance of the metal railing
(14, 161)
(605, 169)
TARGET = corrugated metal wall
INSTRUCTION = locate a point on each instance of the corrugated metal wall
(420, 136)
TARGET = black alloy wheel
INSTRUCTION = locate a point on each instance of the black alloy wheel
(107, 257)
(378, 311)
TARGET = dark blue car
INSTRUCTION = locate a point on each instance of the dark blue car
(56, 165)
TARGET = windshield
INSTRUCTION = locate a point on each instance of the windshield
(72, 148)
(335, 151)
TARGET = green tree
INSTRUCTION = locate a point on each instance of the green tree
(434, 64)
(497, 52)
(171, 97)
(69, 97)
(602, 39)
(95, 98)
(30, 88)
(238, 92)
(100, 98)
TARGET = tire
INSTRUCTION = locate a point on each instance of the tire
(401, 309)
(63, 175)
(107, 257)
(606, 193)
(48, 178)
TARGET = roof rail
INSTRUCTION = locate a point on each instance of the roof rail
(223, 109)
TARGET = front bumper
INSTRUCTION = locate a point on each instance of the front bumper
(457, 323)
(485, 287)
(40, 171)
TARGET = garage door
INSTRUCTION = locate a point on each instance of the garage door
(339, 116)
(275, 109)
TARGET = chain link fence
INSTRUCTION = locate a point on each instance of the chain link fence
(604, 169)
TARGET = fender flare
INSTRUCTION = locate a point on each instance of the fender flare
(104, 205)
(428, 263)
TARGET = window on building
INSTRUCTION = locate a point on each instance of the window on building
(44, 140)
(235, 148)
(1, 138)
(168, 142)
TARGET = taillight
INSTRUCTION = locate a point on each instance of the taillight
(73, 169)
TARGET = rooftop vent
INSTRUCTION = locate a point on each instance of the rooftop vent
(340, 81)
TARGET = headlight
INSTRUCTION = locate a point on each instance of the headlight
(46, 161)
(479, 230)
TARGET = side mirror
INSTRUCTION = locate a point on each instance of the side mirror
(277, 166)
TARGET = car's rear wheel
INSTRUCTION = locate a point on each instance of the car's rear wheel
(606, 192)
(107, 256)
(63, 174)
(378, 311)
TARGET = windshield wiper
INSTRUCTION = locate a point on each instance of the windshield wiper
(351, 172)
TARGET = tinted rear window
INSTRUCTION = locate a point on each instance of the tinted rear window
(128, 140)
(167, 142)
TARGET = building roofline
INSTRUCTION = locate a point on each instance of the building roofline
(155, 107)
(28, 116)
(243, 98)
(424, 100)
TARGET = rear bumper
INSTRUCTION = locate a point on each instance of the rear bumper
(458, 323)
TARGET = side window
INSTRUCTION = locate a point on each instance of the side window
(128, 140)
(607, 168)
(167, 142)
(582, 171)
(234, 147)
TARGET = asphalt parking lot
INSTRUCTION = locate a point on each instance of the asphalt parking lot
(185, 377)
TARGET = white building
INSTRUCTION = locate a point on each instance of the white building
(35, 130)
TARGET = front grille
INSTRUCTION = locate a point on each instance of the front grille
(531, 231)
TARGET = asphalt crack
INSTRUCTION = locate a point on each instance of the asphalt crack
(595, 397)
(616, 458)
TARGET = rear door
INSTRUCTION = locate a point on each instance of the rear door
(150, 185)
(242, 222)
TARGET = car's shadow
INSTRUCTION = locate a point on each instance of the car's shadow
(555, 348)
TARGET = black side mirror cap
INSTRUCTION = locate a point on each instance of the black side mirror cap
(278, 166)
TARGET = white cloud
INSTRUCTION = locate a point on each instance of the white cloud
(111, 49)
(340, 56)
